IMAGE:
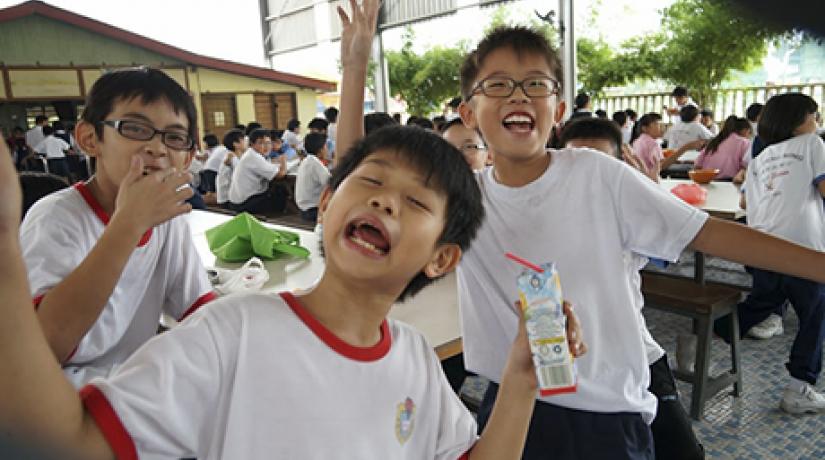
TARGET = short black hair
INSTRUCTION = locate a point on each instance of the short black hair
(47, 131)
(643, 122)
(318, 123)
(232, 136)
(521, 40)
(376, 120)
(445, 170)
(276, 134)
(58, 126)
(148, 84)
(314, 142)
(679, 91)
(292, 124)
(439, 121)
(40, 119)
(210, 140)
(450, 124)
(331, 114)
(421, 122)
(592, 128)
(688, 113)
(706, 113)
(252, 126)
(753, 111)
(455, 102)
(600, 113)
(257, 134)
(582, 99)
(782, 114)
(631, 114)
(620, 117)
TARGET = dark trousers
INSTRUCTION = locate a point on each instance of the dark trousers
(207, 183)
(808, 299)
(673, 435)
(560, 433)
(58, 166)
(272, 200)
(310, 214)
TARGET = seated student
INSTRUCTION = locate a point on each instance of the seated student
(323, 374)
(706, 119)
(581, 107)
(251, 189)
(279, 147)
(54, 149)
(291, 136)
(235, 142)
(108, 256)
(644, 141)
(319, 125)
(331, 114)
(624, 124)
(466, 140)
(312, 176)
(673, 434)
(215, 156)
(728, 151)
(688, 131)
(683, 99)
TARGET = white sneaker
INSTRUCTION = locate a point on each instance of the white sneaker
(686, 353)
(771, 326)
(805, 401)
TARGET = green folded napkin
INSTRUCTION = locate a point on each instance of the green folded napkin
(243, 237)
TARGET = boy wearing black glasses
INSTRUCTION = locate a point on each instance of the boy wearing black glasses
(107, 256)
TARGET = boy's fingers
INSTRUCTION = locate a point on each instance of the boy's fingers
(343, 15)
(135, 170)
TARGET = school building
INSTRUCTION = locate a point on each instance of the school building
(50, 57)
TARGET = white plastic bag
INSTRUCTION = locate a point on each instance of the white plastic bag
(250, 277)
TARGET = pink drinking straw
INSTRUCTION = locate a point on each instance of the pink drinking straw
(524, 262)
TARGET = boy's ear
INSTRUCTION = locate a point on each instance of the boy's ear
(189, 156)
(467, 113)
(560, 108)
(323, 203)
(86, 137)
(444, 260)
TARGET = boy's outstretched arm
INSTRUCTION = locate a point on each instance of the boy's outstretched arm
(506, 431)
(739, 243)
(357, 33)
(41, 416)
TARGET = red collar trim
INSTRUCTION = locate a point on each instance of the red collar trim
(101, 214)
(373, 353)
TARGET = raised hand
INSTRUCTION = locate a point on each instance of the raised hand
(357, 31)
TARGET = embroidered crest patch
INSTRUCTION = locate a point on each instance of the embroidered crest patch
(404, 420)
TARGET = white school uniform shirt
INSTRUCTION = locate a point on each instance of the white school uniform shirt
(251, 176)
(781, 191)
(585, 213)
(215, 158)
(34, 136)
(676, 119)
(310, 181)
(224, 180)
(163, 274)
(653, 350)
(682, 133)
(292, 139)
(53, 147)
(256, 376)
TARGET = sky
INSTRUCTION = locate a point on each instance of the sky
(232, 29)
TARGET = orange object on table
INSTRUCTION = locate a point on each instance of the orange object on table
(703, 176)
(668, 152)
(690, 193)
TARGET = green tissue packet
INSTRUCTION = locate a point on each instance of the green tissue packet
(244, 237)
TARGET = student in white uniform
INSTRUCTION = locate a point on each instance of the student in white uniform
(251, 189)
(689, 131)
(312, 176)
(107, 257)
(323, 374)
(215, 153)
(54, 149)
(234, 143)
(35, 135)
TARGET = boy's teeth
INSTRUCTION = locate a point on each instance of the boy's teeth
(365, 244)
(518, 119)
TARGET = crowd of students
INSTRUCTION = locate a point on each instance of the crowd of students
(324, 372)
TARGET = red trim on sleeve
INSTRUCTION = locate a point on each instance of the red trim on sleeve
(101, 213)
(465, 455)
(204, 299)
(108, 423)
(37, 299)
(373, 353)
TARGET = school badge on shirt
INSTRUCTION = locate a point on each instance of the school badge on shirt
(404, 420)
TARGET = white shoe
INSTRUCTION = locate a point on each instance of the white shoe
(771, 326)
(804, 401)
(686, 353)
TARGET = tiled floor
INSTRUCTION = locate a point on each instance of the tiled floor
(751, 426)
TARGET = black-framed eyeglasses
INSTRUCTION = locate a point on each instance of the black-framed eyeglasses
(505, 86)
(140, 131)
(470, 147)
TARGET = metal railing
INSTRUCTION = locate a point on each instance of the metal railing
(728, 101)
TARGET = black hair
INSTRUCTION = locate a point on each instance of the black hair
(732, 124)
(631, 114)
(241, 127)
(783, 114)
(47, 131)
(679, 91)
(688, 113)
(40, 119)
(521, 40)
(753, 111)
(592, 128)
(252, 126)
(58, 126)
(439, 121)
(646, 120)
(445, 170)
(620, 118)
(582, 99)
(318, 123)
(373, 121)
(397, 117)
(231, 137)
(258, 134)
(292, 124)
(148, 84)
(331, 114)
(706, 113)
(455, 102)
(314, 142)
(421, 122)
(210, 140)
(600, 114)
(277, 134)
(450, 124)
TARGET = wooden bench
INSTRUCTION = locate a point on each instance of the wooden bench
(704, 303)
